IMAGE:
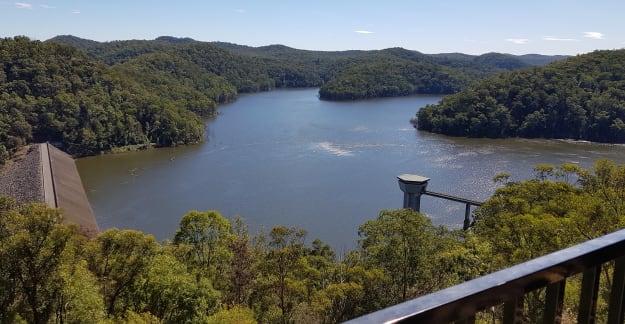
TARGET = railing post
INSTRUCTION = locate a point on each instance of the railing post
(588, 296)
(470, 320)
(467, 219)
(513, 311)
(617, 295)
(554, 302)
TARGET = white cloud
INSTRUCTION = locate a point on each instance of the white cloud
(519, 41)
(241, 11)
(594, 35)
(558, 39)
(363, 32)
(75, 11)
(44, 6)
(23, 5)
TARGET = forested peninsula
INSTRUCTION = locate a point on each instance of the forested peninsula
(581, 98)
(88, 97)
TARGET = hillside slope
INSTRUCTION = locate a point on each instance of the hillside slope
(582, 97)
(55, 93)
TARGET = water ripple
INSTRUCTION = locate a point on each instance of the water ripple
(334, 149)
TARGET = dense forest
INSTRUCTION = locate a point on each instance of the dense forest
(580, 98)
(398, 72)
(56, 93)
(214, 271)
(345, 75)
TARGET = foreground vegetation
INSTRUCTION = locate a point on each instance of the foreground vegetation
(214, 271)
(580, 98)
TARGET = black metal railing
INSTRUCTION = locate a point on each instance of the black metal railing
(462, 302)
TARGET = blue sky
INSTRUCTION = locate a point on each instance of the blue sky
(474, 27)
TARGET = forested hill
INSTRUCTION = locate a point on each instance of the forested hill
(56, 93)
(582, 97)
(351, 75)
(341, 75)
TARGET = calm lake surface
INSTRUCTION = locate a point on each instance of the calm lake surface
(287, 158)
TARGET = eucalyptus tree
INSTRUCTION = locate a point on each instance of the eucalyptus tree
(402, 243)
(32, 244)
(242, 271)
(282, 267)
(174, 294)
(121, 261)
(203, 240)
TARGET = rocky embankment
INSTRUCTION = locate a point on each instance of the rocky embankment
(21, 177)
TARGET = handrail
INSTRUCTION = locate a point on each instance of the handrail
(507, 286)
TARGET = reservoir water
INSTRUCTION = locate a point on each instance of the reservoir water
(287, 158)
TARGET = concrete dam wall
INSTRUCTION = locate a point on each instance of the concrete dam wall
(47, 175)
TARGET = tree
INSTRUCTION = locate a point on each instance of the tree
(528, 219)
(601, 212)
(280, 285)
(204, 239)
(237, 314)
(338, 302)
(80, 300)
(242, 272)
(402, 243)
(369, 291)
(121, 260)
(32, 243)
(172, 293)
(8, 273)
